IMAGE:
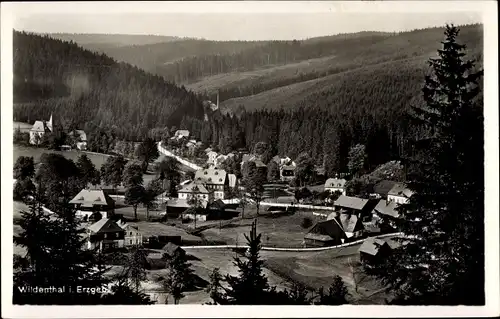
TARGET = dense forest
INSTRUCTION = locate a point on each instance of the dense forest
(91, 90)
(324, 117)
(196, 62)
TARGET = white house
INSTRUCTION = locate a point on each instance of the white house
(132, 237)
(399, 194)
(335, 185)
(39, 129)
(90, 201)
(195, 189)
(215, 180)
(212, 156)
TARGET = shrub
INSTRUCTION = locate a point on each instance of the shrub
(306, 222)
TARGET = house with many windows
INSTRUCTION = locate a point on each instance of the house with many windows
(399, 194)
(93, 204)
(336, 185)
(215, 180)
(195, 189)
(105, 234)
(132, 235)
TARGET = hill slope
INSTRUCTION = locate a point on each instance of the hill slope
(92, 90)
(94, 41)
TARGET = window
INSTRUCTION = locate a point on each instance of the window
(117, 235)
(105, 235)
(130, 233)
(130, 242)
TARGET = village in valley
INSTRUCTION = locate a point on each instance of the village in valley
(206, 198)
(322, 171)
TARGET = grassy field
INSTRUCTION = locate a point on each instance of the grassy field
(24, 127)
(317, 269)
(277, 231)
(36, 153)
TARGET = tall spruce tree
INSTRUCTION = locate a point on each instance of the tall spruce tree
(441, 260)
(250, 286)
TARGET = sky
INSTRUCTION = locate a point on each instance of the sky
(247, 21)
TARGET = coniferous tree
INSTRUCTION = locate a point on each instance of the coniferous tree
(112, 170)
(147, 152)
(337, 293)
(88, 172)
(249, 287)
(441, 260)
(24, 167)
(215, 289)
(180, 275)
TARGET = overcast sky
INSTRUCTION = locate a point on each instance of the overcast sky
(254, 23)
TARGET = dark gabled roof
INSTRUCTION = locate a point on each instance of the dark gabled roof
(387, 208)
(383, 187)
(372, 246)
(170, 248)
(104, 225)
(326, 230)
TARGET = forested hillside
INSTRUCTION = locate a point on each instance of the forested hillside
(103, 41)
(327, 116)
(92, 90)
(159, 57)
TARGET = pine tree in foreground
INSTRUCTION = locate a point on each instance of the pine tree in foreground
(179, 277)
(250, 286)
(441, 260)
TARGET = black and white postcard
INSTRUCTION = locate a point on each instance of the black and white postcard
(250, 159)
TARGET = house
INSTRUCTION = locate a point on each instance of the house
(179, 207)
(179, 134)
(281, 161)
(195, 189)
(212, 156)
(80, 139)
(325, 233)
(132, 237)
(373, 250)
(39, 129)
(382, 188)
(287, 173)
(202, 215)
(354, 205)
(214, 180)
(399, 193)
(336, 185)
(387, 208)
(90, 203)
(105, 234)
(170, 249)
(350, 223)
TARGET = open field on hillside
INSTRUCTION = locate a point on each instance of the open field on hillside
(36, 153)
(24, 127)
(234, 79)
(277, 230)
